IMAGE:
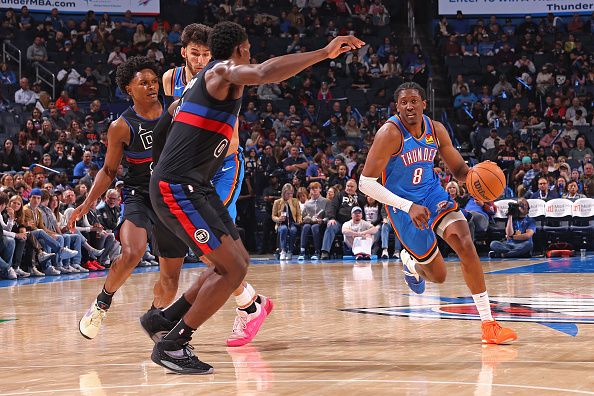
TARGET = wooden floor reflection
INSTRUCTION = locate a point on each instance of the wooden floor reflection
(337, 328)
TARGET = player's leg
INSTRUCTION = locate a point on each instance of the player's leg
(457, 234)
(192, 217)
(249, 319)
(133, 239)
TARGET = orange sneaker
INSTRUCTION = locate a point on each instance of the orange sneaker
(493, 333)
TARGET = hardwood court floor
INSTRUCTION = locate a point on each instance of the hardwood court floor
(337, 328)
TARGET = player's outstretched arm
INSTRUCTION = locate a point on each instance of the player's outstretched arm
(118, 135)
(387, 142)
(283, 67)
(449, 154)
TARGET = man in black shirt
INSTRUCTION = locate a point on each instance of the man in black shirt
(339, 211)
(109, 214)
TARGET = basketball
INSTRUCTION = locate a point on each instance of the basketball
(485, 181)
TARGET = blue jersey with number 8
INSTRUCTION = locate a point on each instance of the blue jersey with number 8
(409, 173)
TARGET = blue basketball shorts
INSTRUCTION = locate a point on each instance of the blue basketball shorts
(422, 244)
(227, 181)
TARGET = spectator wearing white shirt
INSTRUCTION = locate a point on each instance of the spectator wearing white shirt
(572, 110)
(70, 77)
(116, 57)
(579, 119)
(25, 96)
(358, 228)
(489, 142)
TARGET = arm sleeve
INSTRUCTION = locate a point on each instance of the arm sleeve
(370, 186)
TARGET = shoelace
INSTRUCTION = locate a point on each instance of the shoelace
(97, 316)
(239, 325)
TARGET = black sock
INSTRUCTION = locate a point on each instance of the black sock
(250, 308)
(178, 309)
(181, 331)
(258, 299)
(104, 299)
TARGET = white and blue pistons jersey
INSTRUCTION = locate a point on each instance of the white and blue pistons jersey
(409, 173)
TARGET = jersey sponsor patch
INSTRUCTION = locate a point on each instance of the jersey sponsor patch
(429, 139)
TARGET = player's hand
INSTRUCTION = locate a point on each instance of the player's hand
(342, 44)
(331, 222)
(419, 216)
(77, 214)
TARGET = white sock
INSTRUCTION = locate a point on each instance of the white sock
(251, 290)
(244, 299)
(481, 301)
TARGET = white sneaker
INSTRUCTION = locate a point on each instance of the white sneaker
(11, 274)
(283, 255)
(22, 274)
(95, 252)
(385, 254)
(148, 257)
(90, 323)
(409, 265)
(396, 255)
(52, 271)
(66, 253)
(36, 272)
(79, 268)
(64, 270)
(72, 269)
(43, 256)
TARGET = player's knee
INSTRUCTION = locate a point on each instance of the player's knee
(132, 253)
(440, 277)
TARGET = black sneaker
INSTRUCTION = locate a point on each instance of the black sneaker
(155, 324)
(324, 255)
(179, 358)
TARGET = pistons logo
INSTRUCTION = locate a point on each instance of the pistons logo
(201, 236)
(221, 148)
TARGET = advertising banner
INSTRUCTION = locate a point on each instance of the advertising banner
(510, 7)
(82, 6)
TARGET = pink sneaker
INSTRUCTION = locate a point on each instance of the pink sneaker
(266, 303)
(246, 326)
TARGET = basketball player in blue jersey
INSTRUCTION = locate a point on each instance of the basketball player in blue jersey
(403, 154)
(195, 52)
(131, 136)
(181, 188)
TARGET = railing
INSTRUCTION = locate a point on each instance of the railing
(44, 74)
(431, 97)
(16, 56)
(411, 22)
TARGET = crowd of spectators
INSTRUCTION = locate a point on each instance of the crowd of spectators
(308, 135)
(522, 94)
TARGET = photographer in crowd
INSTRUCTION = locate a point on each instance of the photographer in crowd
(518, 232)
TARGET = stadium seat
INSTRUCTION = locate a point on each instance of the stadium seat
(582, 222)
(558, 213)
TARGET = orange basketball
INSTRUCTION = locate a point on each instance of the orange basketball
(485, 181)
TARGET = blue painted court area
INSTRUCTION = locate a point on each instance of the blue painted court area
(572, 265)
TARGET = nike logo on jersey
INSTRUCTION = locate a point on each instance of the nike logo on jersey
(421, 154)
(226, 169)
(179, 87)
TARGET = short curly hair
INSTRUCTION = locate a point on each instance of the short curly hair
(127, 70)
(195, 33)
(410, 85)
(224, 37)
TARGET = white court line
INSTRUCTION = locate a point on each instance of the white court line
(373, 362)
(341, 381)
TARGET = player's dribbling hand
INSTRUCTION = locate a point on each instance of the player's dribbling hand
(419, 216)
(342, 44)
